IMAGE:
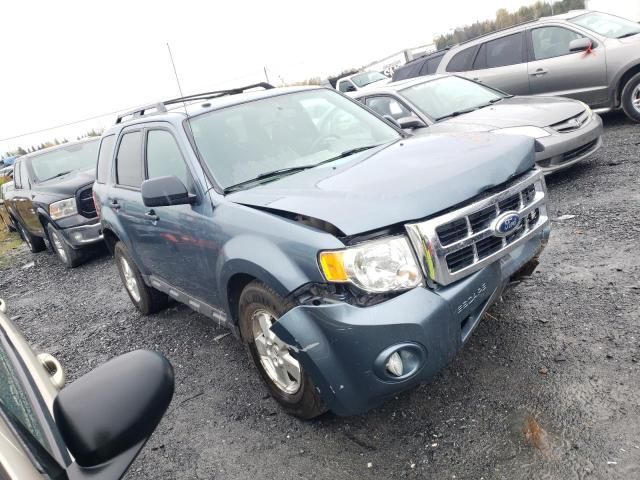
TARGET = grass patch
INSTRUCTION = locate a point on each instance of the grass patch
(8, 241)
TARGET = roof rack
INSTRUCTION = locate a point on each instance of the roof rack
(496, 31)
(161, 107)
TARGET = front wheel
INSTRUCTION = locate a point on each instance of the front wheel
(145, 298)
(631, 98)
(68, 256)
(35, 244)
(259, 308)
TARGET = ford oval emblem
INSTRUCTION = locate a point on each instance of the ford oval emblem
(506, 224)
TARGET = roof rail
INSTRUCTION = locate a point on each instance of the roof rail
(161, 107)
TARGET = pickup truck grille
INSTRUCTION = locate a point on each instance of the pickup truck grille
(464, 240)
(86, 206)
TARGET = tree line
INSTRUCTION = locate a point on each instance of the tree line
(504, 19)
(51, 143)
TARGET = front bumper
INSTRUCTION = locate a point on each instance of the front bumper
(83, 235)
(341, 346)
(562, 150)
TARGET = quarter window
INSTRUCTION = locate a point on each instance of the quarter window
(129, 160)
(461, 61)
(104, 158)
(501, 52)
(164, 158)
(551, 42)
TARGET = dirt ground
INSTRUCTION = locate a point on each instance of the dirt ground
(548, 386)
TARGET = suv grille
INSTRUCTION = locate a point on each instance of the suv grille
(571, 123)
(86, 206)
(464, 240)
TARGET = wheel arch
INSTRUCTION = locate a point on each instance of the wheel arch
(110, 239)
(622, 81)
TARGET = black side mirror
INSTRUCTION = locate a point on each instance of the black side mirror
(411, 122)
(106, 416)
(580, 44)
(164, 192)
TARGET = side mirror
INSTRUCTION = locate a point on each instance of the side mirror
(164, 192)
(106, 416)
(580, 44)
(391, 120)
(411, 122)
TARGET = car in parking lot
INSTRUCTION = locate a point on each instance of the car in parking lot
(6, 172)
(360, 81)
(52, 200)
(353, 260)
(91, 429)
(567, 130)
(590, 56)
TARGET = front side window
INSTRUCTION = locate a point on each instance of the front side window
(364, 79)
(551, 42)
(447, 96)
(461, 61)
(164, 158)
(385, 105)
(501, 52)
(346, 86)
(241, 142)
(607, 25)
(104, 158)
(129, 160)
(24, 175)
(64, 160)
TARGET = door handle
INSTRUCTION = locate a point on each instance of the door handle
(538, 72)
(151, 215)
(115, 205)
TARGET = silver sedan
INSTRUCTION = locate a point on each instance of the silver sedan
(567, 129)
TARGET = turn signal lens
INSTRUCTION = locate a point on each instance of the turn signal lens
(333, 266)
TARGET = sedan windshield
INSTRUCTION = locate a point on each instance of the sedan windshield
(63, 160)
(607, 25)
(283, 134)
(450, 96)
(366, 78)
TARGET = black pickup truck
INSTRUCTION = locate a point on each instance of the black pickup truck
(53, 200)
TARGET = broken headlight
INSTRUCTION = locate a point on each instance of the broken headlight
(376, 266)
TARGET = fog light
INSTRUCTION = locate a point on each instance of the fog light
(394, 365)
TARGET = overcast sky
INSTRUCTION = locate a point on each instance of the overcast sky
(70, 60)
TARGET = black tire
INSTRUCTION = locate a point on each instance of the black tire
(149, 300)
(35, 244)
(69, 257)
(305, 403)
(631, 93)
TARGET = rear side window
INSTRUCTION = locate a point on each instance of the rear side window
(501, 52)
(104, 158)
(129, 160)
(461, 61)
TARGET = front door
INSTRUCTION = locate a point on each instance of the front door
(554, 70)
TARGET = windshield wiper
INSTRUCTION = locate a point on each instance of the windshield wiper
(630, 34)
(468, 110)
(61, 174)
(290, 170)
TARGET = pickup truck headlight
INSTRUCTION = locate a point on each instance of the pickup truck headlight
(63, 208)
(535, 132)
(376, 266)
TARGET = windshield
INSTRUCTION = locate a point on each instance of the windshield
(366, 78)
(607, 25)
(301, 129)
(77, 156)
(444, 97)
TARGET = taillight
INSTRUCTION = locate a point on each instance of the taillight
(96, 202)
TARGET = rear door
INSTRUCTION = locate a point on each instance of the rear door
(554, 70)
(501, 63)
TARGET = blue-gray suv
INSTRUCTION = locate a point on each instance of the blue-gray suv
(352, 259)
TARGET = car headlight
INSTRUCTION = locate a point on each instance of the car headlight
(587, 109)
(63, 208)
(535, 132)
(376, 266)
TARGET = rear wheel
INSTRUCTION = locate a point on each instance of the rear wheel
(146, 299)
(259, 308)
(68, 256)
(631, 98)
(35, 244)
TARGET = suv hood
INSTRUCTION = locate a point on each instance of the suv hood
(67, 184)
(407, 180)
(513, 112)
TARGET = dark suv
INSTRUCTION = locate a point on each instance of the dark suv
(352, 259)
(52, 200)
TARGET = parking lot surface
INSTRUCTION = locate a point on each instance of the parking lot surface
(547, 387)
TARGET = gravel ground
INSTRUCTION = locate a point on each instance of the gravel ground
(548, 386)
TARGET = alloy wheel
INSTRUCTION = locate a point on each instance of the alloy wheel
(57, 245)
(130, 280)
(277, 361)
(635, 98)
